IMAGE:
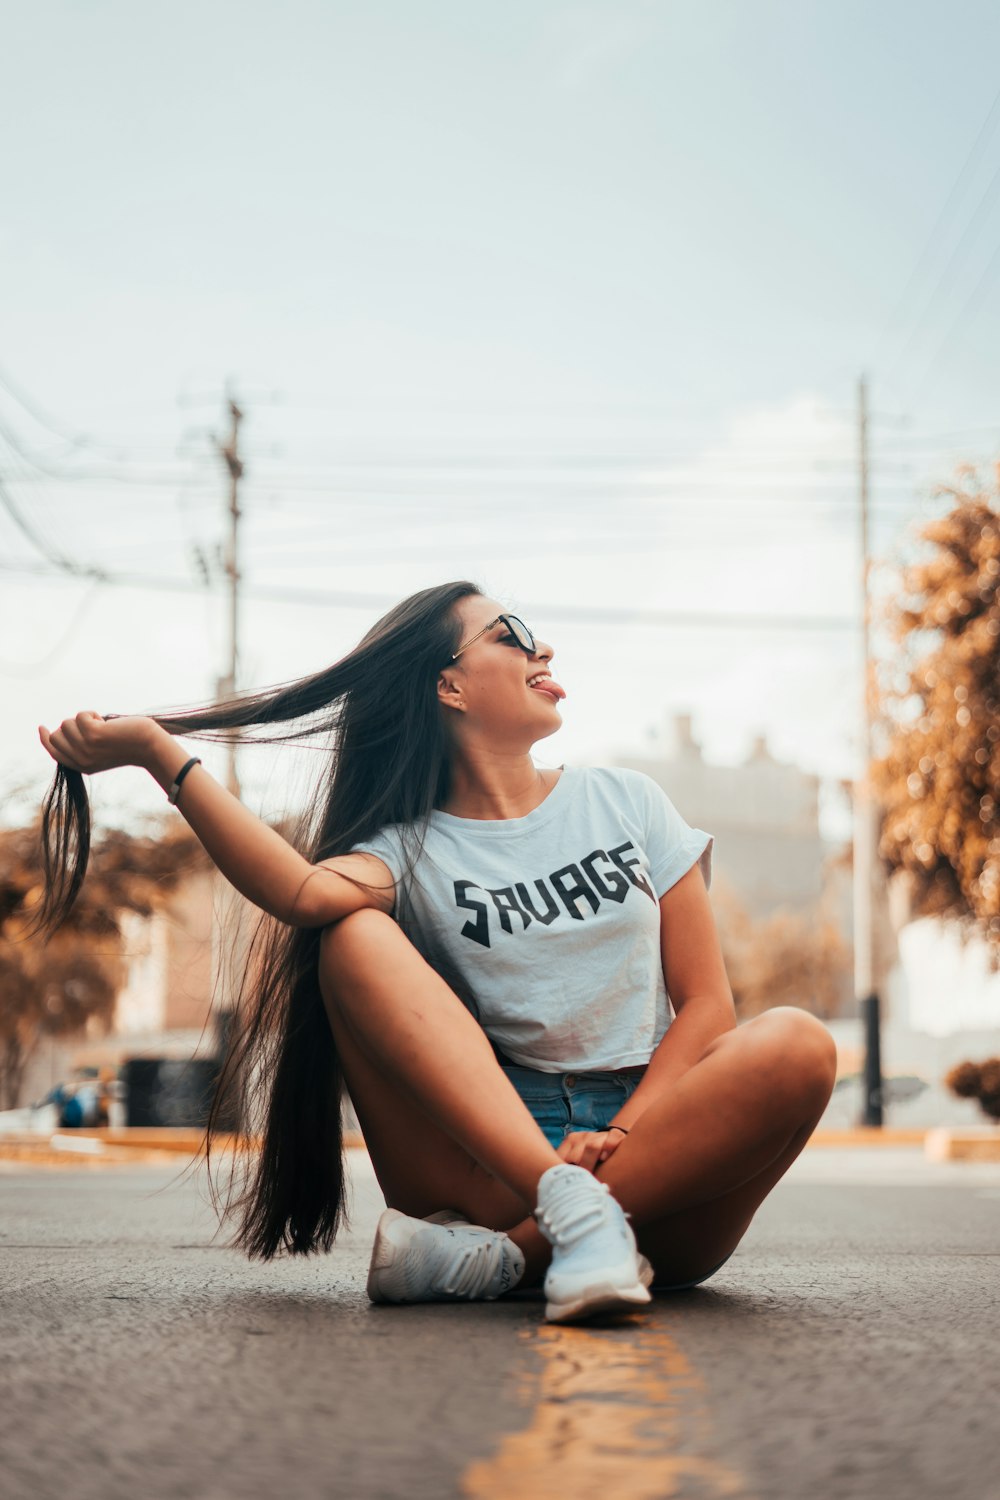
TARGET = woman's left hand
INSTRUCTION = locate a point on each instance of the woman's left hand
(588, 1148)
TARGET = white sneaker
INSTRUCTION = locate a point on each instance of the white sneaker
(596, 1266)
(440, 1259)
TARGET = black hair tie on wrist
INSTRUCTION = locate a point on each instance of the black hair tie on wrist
(618, 1127)
(175, 788)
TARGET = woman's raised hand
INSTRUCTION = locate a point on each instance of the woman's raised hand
(89, 742)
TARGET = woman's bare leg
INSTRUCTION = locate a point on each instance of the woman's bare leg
(692, 1172)
(728, 1118)
(700, 1161)
(684, 1246)
(444, 1124)
(419, 1166)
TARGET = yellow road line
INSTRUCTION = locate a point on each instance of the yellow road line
(617, 1412)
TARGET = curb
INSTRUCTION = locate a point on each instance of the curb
(971, 1144)
(123, 1145)
(111, 1146)
(183, 1140)
(867, 1135)
(187, 1142)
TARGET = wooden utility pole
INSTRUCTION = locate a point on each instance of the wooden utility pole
(230, 929)
(227, 683)
(865, 817)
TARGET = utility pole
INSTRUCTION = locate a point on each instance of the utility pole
(227, 683)
(230, 928)
(865, 817)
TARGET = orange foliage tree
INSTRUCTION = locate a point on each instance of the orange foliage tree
(938, 782)
(54, 986)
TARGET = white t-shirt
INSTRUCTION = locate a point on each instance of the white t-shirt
(548, 926)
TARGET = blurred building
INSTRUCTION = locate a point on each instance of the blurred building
(165, 1007)
(765, 818)
(769, 853)
(170, 964)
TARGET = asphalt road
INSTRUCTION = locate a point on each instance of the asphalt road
(849, 1349)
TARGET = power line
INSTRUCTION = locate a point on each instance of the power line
(35, 412)
(942, 218)
(628, 529)
(52, 555)
(598, 492)
(583, 493)
(934, 364)
(14, 443)
(749, 468)
(967, 237)
(77, 442)
(29, 669)
(597, 614)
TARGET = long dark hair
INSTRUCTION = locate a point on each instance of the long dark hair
(378, 705)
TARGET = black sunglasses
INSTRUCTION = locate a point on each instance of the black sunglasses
(522, 635)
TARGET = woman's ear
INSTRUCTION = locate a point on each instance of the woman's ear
(449, 692)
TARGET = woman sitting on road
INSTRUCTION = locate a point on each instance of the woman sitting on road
(482, 950)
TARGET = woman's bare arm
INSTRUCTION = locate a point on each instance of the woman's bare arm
(698, 986)
(701, 996)
(253, 857)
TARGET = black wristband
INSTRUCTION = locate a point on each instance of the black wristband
(175, 788)
(618, 1127)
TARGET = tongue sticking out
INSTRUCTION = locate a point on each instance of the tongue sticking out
(547, 685)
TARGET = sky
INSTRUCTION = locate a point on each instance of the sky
(571, 299)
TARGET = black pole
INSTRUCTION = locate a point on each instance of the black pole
(871, 1111)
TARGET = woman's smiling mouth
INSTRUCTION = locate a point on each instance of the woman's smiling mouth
(542, 682)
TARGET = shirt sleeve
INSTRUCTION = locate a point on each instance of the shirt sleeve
(386, 846)
(673, 846)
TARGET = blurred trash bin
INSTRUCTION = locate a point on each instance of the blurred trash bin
(169, 1091)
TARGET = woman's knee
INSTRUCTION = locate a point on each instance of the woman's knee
(805, 1051)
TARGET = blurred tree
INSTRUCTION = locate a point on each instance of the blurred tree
(939, 720)
(788, 958)
(970, 1080)
(54, 986)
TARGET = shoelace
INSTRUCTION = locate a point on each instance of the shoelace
(468, 1274)
(576, 1206)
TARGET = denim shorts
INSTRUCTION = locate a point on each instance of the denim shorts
(565, 1102)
